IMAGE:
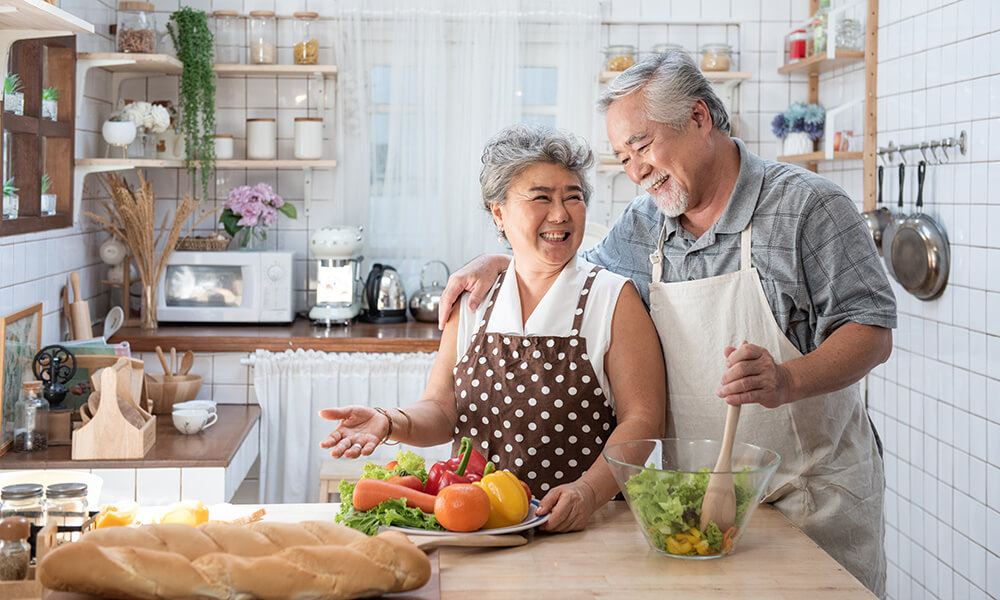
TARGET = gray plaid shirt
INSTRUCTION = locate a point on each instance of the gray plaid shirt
(816, 259)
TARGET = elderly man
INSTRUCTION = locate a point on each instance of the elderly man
(727, 247)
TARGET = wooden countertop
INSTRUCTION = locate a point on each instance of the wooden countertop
(611, 559)
(412, 336)
(213, 447)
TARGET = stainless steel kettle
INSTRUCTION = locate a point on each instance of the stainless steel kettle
(424, 302)
(384, 300)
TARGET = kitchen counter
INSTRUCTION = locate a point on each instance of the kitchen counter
(611, 559)
(412, 336)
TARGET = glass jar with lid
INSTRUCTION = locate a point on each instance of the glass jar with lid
(31, 419)
(23, 500)
(850, 35)
(619, 57)
(136, 27)
(795, 48)
(228, 37)
(15, 552)
(716, 57)
(664, 48)
(304, 31)
(66, 506)
(263, 47)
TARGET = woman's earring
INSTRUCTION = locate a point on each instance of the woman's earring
(501, 237)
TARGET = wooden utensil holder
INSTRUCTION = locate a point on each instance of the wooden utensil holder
(108, 435)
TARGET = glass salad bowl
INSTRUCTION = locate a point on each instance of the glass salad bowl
(664, 482)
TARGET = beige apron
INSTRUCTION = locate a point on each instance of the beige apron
(830, 481)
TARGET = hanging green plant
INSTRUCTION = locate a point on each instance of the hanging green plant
(193, 40)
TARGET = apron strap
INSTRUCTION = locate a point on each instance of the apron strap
(745, 262)
(584, 294)
(489, 307)
(657, 257)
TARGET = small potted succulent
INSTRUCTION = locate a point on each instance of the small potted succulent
(50, 103)
(799, 126)
(13, 96)
(48, 200)
(9, 199)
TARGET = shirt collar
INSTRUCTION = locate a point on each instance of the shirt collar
(743, 200)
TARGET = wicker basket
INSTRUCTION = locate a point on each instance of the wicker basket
(215, 242)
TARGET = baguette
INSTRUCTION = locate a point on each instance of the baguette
(267, 560)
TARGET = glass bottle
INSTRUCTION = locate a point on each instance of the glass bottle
(15, 552)
(228, 37)
(136, 27)
(66, 506)
(31, 419)
(619, 57)
(306, 51)
(262, 37)
(716, 57)
(817, 32)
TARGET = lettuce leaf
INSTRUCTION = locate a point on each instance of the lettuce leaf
(390, 512)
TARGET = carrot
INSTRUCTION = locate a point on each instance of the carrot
(369, 493)
(411, 481)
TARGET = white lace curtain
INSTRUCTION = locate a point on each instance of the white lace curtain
(453, 80)
(293, 386)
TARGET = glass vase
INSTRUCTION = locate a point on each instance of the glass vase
(253, 238)
(147, 316)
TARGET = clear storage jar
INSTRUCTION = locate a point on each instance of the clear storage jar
(716, 57)
(619, 57)
(66, 506)
(31, 419)
(308, 138)
(263, 36)
(136, 27)
(228, 37)
(23, 500)
(262, 139)
(304, 30)
(850, 35)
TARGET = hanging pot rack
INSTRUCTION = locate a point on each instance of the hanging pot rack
(887, 153)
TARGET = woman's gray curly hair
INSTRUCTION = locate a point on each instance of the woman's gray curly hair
(518, 147)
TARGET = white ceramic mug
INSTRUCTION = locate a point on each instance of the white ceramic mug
(193, 421)
(208, 405)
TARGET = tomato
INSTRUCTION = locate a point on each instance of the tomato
(462, 507)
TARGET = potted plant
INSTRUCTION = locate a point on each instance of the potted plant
(194, 42)
(799, 127)
(249, 211)
(48, 200)
(50, 103)
(9, 199)
(13, 96)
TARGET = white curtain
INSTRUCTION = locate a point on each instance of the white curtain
(293, 386)
(434, 80)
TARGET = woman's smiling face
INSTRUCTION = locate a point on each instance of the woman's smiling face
(543, 216)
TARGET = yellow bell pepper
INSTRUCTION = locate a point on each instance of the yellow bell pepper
(508, 501)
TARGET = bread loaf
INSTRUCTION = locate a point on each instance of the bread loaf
(267, 560)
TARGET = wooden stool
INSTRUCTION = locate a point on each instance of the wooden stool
(332, 471)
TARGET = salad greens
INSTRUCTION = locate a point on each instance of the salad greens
(390, 512)
(669, 503)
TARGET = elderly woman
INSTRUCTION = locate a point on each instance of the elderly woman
(560, 361)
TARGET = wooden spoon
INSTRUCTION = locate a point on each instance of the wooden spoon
(173, 361)
(163, 361)
(187, 361)
(719, 503)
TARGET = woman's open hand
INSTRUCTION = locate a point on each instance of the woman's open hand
(360, 431)
(571, 505)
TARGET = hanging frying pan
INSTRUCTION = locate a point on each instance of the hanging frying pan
(878, 219)
(897, 220)
(920, 254)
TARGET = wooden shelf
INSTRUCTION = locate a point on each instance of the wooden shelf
(131, 62)
(819, 63)
(155, 163)
(821, 156)
(38, 15)
(129, 163)
(32, 224)
(224, 70)
(275, 164)
(712, 76)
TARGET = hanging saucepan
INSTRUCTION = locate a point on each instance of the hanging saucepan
(878, 219)
(897, 220)
(920, 253)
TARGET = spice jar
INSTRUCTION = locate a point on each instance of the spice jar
(308, 138)
(15, 552)
(228, 37)
(664, 48)
(66, 506)
(136, 27)
(31, 419)
(716, 57)
(262, 37)
(817, 30)
(306, 51)
(262, 139)
(223, 146)
(796, 49)
(619, 57)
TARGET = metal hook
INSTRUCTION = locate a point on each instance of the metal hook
(944, 150)
(937, 159)
(902, 157)
(923, 150)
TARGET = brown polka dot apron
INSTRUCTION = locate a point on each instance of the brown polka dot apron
(533, 404)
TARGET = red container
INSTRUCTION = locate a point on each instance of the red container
(797, 45)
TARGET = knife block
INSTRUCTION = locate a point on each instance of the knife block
(108, 435)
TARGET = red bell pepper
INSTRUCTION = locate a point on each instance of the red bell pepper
(467, 467)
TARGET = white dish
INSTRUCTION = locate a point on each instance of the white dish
(529, 522)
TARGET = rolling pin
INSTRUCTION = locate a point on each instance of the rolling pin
(80, 311)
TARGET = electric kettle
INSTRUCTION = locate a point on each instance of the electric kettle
(384, 300)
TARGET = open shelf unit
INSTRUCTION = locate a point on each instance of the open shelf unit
(821, 63)
(820, 156)
(114, 164)
(712, 76)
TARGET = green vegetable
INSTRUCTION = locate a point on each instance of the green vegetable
(390, 512)
(51, 93)
(12, 84)
(669, 503)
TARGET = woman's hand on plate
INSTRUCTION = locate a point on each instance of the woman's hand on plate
(570, 505)
(360, 431)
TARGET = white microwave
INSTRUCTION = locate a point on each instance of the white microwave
(227, 287)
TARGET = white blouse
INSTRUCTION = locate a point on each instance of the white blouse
(554, 314)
